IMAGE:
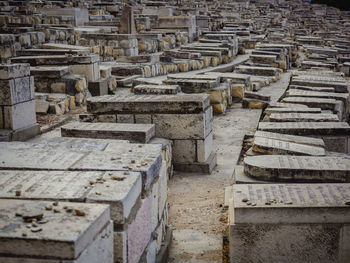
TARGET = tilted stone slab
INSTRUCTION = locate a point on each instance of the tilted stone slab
(49, 72)
(331, 95)
(270, 110)
(324, 104)
(139, 133)
(118, 189)
(298, 168)
(297, 117)
(306, 128)
(338, 86)
(130, 103)
(289, 215)
(287, 105)
(274, 146)
(192, 85)
(156, 89)
(291, 138)
(65, 236)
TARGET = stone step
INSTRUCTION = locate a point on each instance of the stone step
(135, 133)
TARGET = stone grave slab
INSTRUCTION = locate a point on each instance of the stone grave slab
(119, 189)
(307, 128)
(270, 110)
(296, 117)
(324, 104)
(156, 89)
(331, 95)
(291, 138)
(135, 133)
(274, 146)
(298, 168)
(60, 236)
(280, 216)
(129, 103)
(310, 88)
(287, 105)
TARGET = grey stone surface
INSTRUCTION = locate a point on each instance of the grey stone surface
(297, 117)
(139, 133)
(15, 91)
(269, 110)
(156, 89)
(120, 190)
(306, 128)
(274, 146)
(63, 236)
(11, 71)
(291, 138)
(298, 168)
(180, 103)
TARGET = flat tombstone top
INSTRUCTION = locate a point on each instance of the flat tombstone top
(298, 168)
(296, 116)
(179, 103)
(287, 105)
(66, 185)
(68, 233)
(99, 126)
(278, 146)
(12, 71)
(306, 128)
(303, 93)
(291, 203)
(290, 138)
(309, 99)
(38, 158)
(292, 110)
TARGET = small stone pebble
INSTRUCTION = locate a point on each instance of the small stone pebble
(132, 161)
(48, 207)
(97, 193)
(253, 204)
(245, 200)
(79, 212)
(24, 234)
(56, 210)
(18, 192)
(55, 203)
(347, 202)
(69, 209)
(36, 229)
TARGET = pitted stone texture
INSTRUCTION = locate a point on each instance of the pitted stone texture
(139, 133)
(156, 89)
(130, 103)
(64, 236)
(306, 128)
(12, 71)
(291, 138)
(298, 168)
(297, 117)
(273, 146)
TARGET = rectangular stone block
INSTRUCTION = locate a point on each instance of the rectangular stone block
(183, 126)
(184, 151)
(135, 133)
(11, 71)
(15, 91)
(125, 118)
(63, 236)
(90, 71)
(139, 231)
(281, 216)
(148, 104)
(19, 115)
(204, 148)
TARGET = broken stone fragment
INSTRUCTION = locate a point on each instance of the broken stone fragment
(33, 214)
(79, 212)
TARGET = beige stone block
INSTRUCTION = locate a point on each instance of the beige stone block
(59, 87)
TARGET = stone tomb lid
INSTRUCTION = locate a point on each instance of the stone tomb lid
(298, 168)
(290, 203)
(306, 128)
(275, 146)
(291, 138)
(64, 236)
(270, 110)
(116, 188)
(296, 117)
(11, 71)
(131, 103)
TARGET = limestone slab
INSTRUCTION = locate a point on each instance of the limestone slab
(139, 133)
(124, 104)
(11, 71)
(298, 168)
(274, 146)
(63, 236)
(296, 117)
(270, 110)
(291, 138)
(156, 89)
(306, 128)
